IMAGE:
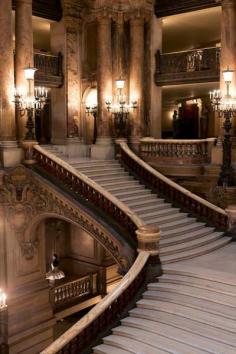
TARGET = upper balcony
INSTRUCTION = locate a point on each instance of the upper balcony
(49, 71)
(172, 7)
(195, 66)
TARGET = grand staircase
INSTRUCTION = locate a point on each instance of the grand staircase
(182, 236)
(183, 313)
(187, 310)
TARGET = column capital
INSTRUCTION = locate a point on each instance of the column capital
(103, 16)
(139, 16)
(148, 239)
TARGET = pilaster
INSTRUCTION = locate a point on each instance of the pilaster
(9, 153)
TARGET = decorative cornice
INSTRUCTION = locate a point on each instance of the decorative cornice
(165, 8)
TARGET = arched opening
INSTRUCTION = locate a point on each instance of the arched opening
(90, 270)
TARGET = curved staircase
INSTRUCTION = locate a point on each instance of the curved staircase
(188, 310)
(182, 236)
(184, 313)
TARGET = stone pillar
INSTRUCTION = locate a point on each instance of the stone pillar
(24, 53)
(136, 76)
(156, 91)
(9, 153)
(67, 100)
(228, 51)
(103, 147)
(104, 79)
(119, 69)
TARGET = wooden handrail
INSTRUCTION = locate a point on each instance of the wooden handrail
(174, 192)
(86, 188)
(110, 306)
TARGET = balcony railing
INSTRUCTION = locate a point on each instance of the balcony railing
(49, 71)
(172, 7)
(200, 65)
(175, 151)
(74, 290)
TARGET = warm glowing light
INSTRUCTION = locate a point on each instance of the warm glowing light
(92, 98)
(29, 73)
(228, 75)
(120, 84)
(3, 299)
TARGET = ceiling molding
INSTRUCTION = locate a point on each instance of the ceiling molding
(165, 8)
(49, 9)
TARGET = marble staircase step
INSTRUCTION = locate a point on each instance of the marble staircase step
(131, 345)
(198, 251)
(146, 205)
(188, 324)
(109, 349)
(192, 302)
(189, 313)
(156, 340)
(124, 187)
(201, 283)
(181, 221)
(172, 238)
(204, 294)
(157, 210)
(137, 200)
(169, 216)
(128, 193)
(189, 244)
(179, 335)
(193, 226)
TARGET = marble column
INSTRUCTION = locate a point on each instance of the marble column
(104, 79)
(136, 76)
(155, 91)
(8, 152)
(103, 149)
(24, 53)
(66, 101)
(119, 67)
(228, 51)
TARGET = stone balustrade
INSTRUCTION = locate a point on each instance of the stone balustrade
(176, 151)
(49, 71)
(199, 65)
(74, 290)
(171, 191)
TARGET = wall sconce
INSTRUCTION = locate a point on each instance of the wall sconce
(120, 110)
(3, 299)
(30, 102)
(91, 109)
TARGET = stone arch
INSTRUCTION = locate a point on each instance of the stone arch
(117, 248)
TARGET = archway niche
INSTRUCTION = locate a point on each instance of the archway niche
(79, 253)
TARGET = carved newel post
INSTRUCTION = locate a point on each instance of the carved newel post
(148, 240)
(231, 212)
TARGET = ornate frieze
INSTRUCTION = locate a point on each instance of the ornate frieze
(28, 200)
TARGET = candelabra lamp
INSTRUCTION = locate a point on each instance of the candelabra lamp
(31, 102)
(120, 110)
(225, 106)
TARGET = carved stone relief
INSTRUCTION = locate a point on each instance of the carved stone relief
(28, 200)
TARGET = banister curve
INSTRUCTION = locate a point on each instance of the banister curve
(95, 187)
(101, 307)
(165, 179)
